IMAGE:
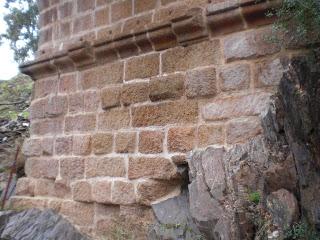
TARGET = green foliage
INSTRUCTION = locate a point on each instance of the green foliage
(22, 28)
(301, 231)
(297, 21)
(15, 97)
(254, 197)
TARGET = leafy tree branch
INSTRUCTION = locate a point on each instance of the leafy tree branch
(22, 28)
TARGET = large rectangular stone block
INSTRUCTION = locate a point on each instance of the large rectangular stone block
(143, 66)
(151, 167)
(72, 168)
(249, 44)
(102, 143)
(123, 193)
(80, 123)
(81, 214)
(105, 166)
(47, 126)
(42, 168)
(185, 58)
(236, 106)
(165, 113)
(101, 191)
(166, 87)
(114, 119)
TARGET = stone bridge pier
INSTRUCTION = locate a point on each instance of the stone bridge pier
(126, 90)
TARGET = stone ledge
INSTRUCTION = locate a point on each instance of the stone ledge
(193, 26)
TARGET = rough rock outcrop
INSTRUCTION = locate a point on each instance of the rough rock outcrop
(300, 98)
(36, 225)
(173, 220)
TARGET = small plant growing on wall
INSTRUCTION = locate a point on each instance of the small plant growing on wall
(254, 197)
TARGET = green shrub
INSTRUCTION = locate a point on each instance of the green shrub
(301, 231)
(298, 20)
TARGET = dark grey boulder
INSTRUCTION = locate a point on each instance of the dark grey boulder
(34, 224)
(174, 220)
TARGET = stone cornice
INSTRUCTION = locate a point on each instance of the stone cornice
(195, 25)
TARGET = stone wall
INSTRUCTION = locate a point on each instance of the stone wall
(124, 90)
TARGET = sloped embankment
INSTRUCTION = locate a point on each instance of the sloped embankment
(15, 96)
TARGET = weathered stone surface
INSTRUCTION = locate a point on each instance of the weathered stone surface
(268, 73)
(45, 87)
(210, 134)
(47, 126)
(84, 215)
(283, 207)
(80, 123)
(101, 17)
(123, 193)
(299, 98)
(52, 188)
(201, 82)
(63, 145)
(179, 159)
(82, 191)
(137, 24)
(166, 87)
(152, 167)
(26, 203)
(242, 130)
(151, 190)
(110, 97)
(37, 225)
(237, 106)
(114, 119)
(102, 143)
(36, 109)
(151, 141)
(142, 67)
(101, 191)
(120, 10)
(55, 106)
(112, 73)
(82, 145)
(125, 142)
(235, 77)
(144, 5)
(91, 100)
(173, 217)
(170, 12)
(62, 189)
(181, 139)
(72, 168)
(134, 93)
(99, 167)
(90, 78)
(32, 147)
(25, 187)
(182, 59)
(165, 113)
(44, 187)
(45, 168)
(248, 44)
(76, 103)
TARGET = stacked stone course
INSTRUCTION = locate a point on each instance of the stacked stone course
(124, 90)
